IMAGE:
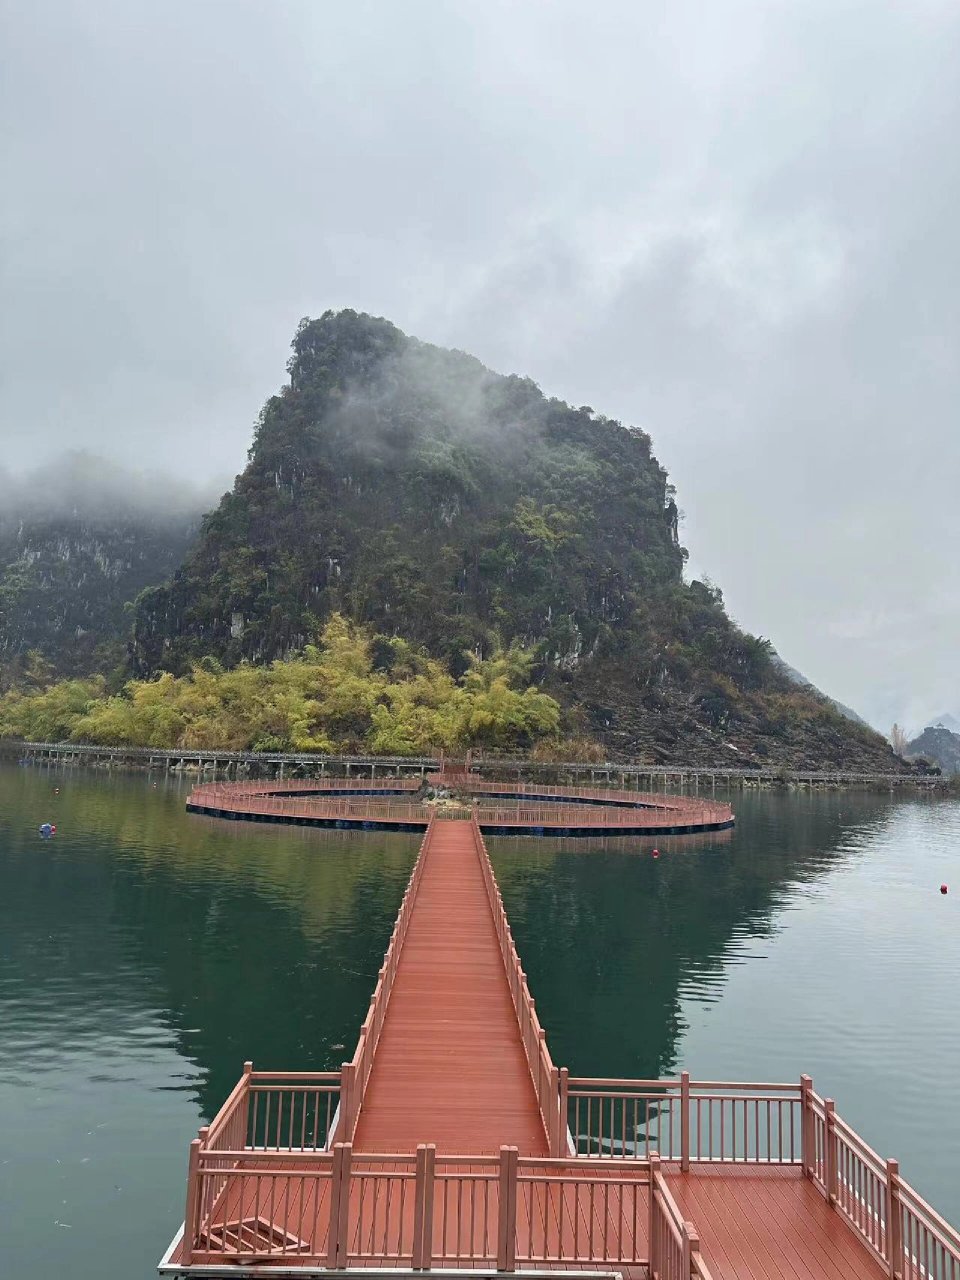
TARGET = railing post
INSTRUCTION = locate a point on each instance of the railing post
(894, 1236)
(191, 1213)
(507, 1225)
(654, 1252)
(423, 1208)
(690, 1245)
(684, 1121)
(830, 1149)
(564, 1100)
(346, 1099)
(339, 1230)
(807, 1153)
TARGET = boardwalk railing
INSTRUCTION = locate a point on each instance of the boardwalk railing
(893, 1221)
(317, 807)
(393, 801)
(355, 1073)
(339, 1209)
(545, 1076)
(577, 795)
(685, 1120)
(674, 1245)
(695, 814)
(275, 1111)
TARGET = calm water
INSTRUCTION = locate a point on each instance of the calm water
(144, 954)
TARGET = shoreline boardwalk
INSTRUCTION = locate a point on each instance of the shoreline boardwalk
(452, 1141)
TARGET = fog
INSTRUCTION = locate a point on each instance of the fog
(88, 487)
(731, 224)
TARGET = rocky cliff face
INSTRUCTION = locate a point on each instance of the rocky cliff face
(65, 583)
(410, 488)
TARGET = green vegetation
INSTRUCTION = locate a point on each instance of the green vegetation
(353, 691)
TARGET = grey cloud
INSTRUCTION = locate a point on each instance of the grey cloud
(731, 224)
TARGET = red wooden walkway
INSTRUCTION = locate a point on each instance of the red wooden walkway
(451, 1140)
(449, 1067)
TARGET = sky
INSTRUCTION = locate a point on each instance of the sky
(733, 223)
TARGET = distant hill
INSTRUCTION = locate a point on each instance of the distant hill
(939, 744)
(413, 490)
(78, 542)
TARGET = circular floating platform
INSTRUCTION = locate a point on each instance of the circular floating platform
(501, 808)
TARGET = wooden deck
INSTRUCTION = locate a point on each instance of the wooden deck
(760, 1223)
(456, 1139)
(450, 1068)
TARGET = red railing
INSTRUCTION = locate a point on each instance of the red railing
(339, 1209)
(674, 1245)
(893, 1221)
(325, 786)
(684, 1120)
(524, 813)
(606, 797)
(324, 800)
(545, 1076)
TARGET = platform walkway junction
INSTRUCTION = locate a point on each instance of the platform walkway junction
(452, 1142)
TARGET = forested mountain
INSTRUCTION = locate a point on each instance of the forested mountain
(410, 489)
(78, 542)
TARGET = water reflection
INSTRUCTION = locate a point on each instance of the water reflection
(615, 941)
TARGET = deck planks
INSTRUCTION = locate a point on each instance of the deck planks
(768, 1223)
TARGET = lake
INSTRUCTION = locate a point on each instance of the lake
(144, 954)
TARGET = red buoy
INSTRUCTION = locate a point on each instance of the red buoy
(53, 830)
(943, 888)
(655, 853)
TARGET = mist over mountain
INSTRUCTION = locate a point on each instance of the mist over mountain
(411, 489)
(78, 542)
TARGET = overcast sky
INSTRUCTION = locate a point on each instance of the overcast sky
(733, 222)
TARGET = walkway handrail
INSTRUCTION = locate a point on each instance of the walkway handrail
(422, 1210)
(690, 1121)
(574, 795)
(673, 1243)
(545, 1076)
(355, 1073)
(891, 1219)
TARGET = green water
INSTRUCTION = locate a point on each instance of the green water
(144, 954)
